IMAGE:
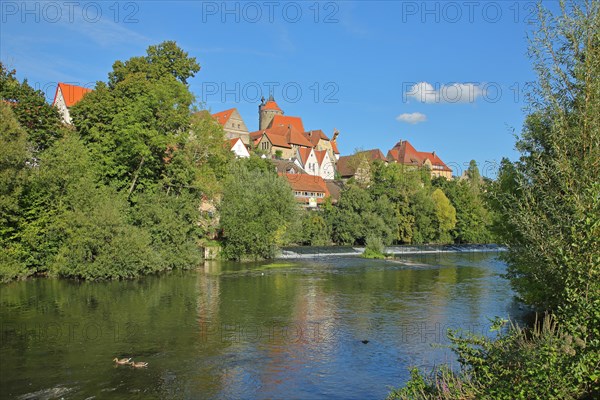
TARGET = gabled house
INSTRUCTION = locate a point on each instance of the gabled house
(67, 96)
(315, 162)
(358, 166)
(238, 147)
(272, 144)
(286, 139)
(326, 164)
(310, 191)
(307, 159)
(320, 141)
(233, 125)
(404, 153)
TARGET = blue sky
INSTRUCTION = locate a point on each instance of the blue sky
(448, 76)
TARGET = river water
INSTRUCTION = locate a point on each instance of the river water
(292, 328)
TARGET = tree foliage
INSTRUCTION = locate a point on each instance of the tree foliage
(119, 195)
(257, 209)
(548, 213)
(143, 112)
(40, 120)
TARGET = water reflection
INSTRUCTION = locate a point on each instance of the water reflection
(231, 330)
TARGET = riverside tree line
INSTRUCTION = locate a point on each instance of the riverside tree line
(118, 193)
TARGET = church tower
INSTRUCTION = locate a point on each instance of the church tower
(267, 111)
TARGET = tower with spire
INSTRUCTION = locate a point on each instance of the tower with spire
(267, 111)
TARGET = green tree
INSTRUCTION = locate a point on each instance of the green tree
(14, 155)
(445, 216)
(549, 201)
(257, 209)
(474, 176)
(315, 231)
(553, 205)
(399, 184)
(473, 219)
(200, 162)
(143, 113)
(422, 208)
(357, 216)
(40, 120)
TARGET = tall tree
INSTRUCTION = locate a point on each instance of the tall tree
(143, 112)
(549, 201)
(14, 155)
(445, 215)
(40, 120)
(553, 203)
(257, 209)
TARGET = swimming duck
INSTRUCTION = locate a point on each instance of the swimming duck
(139, 364)
(122, 361)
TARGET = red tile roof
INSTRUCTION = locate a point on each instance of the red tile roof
(335, 189)
(232, 142)
(347, 165)
(223, 116)
(404, 153)
(285, 120)
(287, 166)
(271, 105)
(320, 154)
(71, 93)
(277, 140)
(436, 160)
(315, 136)
(296, 137)
(374, 154)
(307, 183)
(289, 134)
(304, 153)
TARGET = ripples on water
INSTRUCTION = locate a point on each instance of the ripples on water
(292, 328)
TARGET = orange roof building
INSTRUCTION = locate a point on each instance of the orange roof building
(404, 153)
(284, 120)
(233, 125)
(309, 190)
(358, 165)
(267, 112)
(66, 96)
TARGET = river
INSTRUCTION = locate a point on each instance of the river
(296, 327)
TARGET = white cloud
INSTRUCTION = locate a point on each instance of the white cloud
(412, 118)
(425, 92)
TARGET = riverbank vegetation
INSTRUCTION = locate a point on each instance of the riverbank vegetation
(548, 213)
(400, 205)
(141, 180)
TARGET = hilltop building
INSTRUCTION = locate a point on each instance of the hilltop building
(285, 137)
(404, 153)
(233, 124)
(359, 165)
(67, 96)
